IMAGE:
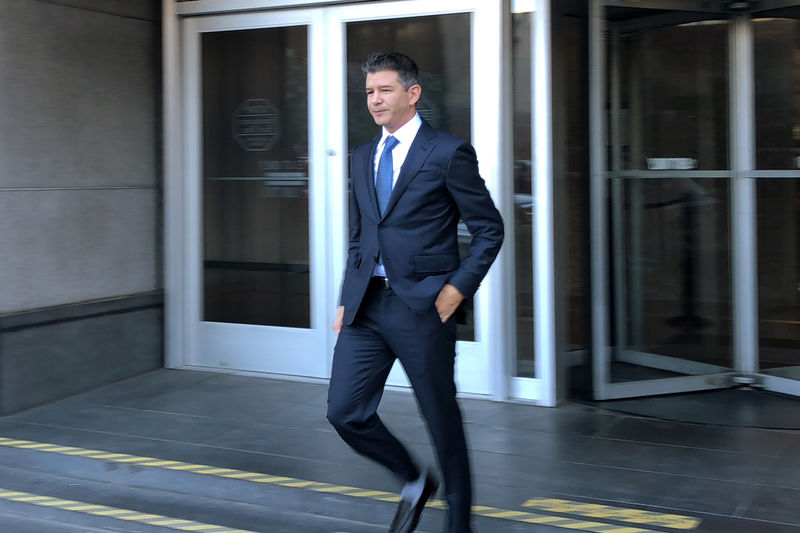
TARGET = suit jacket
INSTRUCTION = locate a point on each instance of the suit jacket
(417, 237)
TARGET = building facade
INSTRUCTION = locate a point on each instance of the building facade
(645, 156)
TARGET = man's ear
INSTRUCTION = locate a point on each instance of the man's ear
(414, 93)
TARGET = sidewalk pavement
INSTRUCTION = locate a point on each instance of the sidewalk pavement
(194, 451)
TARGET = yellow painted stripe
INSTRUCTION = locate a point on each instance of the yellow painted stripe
(506, 514)
(31, 499)
(110, 455)
(56, 503)
(541, 519)
(140, 517)
(112, 512)
(80, 452)
(368, 493)
(585, 526)
(693, 523)
(9, 494)
(242, 475)
(168, 522)
(301, 484)
(187, 467)
(133, 459)
(86, 507)
(270, 479)
(597, 527)
(334, 488)
(357, 492)
(217, 471)
(634, 516)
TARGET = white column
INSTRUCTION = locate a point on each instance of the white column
(543, 227)
(597, 191)
(743, 197)
(174, 335)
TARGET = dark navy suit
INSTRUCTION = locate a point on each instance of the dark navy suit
(417, 241)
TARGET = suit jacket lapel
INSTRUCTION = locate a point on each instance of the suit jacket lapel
(368, 173)
(419, 151)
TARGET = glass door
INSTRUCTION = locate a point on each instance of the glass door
(256, 194)
(667, 183)
(776, 46)
(695, 198)
(451, 41)
(273, 103)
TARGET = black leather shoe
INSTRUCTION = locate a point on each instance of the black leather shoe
(409, 511)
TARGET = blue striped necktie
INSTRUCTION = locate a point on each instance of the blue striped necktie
(383, 181)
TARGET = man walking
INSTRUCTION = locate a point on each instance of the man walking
(403, 283)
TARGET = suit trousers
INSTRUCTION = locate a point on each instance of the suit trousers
(385, 328)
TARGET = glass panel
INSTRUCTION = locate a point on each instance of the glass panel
(675, 284)
(571, 148)
(670, 236)
(779, 276)
(523, 191)
(777, 83)
(675, 97)
(440, 45)
(255, 177)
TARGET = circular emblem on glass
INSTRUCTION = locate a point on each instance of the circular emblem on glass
(255, 125)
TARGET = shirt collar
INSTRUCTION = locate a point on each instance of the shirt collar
(405, 134)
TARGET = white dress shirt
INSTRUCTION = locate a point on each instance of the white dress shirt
(405, 136)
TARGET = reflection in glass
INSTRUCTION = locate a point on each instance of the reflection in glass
(255, 177)
(675, 291)
(440, 45)
(777, 86)
(779, 276)
(675, 97)
(523, 192)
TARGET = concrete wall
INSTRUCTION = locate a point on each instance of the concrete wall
(53, 353)
(80, 186)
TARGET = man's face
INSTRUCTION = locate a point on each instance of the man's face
(391, 105)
